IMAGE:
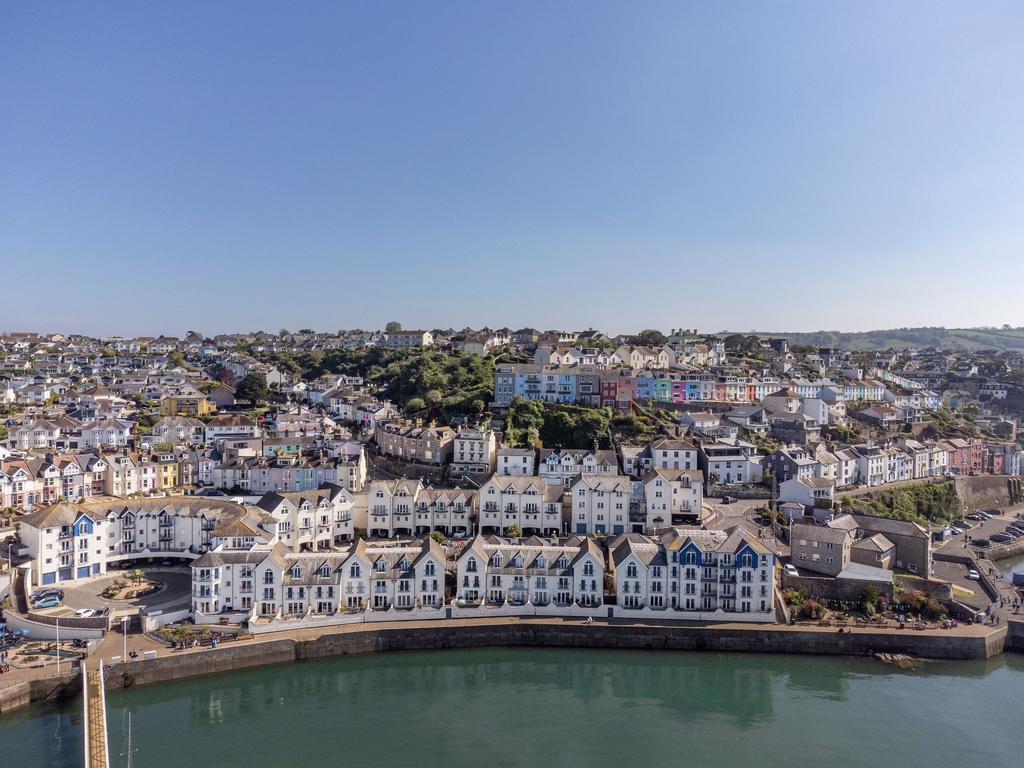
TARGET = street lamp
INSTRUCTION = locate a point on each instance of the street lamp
(124, 634)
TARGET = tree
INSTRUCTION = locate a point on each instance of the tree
(651, 338)
(393, 327)
(514, 531)
(437, 536)
(415, 404)
(252, 388)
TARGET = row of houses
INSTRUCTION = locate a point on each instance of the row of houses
(681, 575)
(618, 387)
(809, 475)
(69, 542)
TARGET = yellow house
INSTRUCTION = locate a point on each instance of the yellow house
(167, 472)
(187, 405)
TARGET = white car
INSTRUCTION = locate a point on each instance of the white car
(791, 570)
(973, 574)
(84, 613)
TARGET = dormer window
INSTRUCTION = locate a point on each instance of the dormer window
(382, 565)
(355, 571)
(296, 572)
(496, 560)
(517, 561)
(542, 562)
(325, 570)
(428, 570)
(471, 565)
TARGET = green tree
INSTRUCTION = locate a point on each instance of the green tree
(252, 388)
(415, 404)
(393, 327)
(650, 337)
(514, 531)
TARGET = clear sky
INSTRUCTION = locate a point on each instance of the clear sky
(770, 165)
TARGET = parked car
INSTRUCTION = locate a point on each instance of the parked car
(44, 594)
(728, 499)
(964, 525)
(1013, 533)
(984, 515)
(47, 602)
(973, 574)
(85, 613)
(1000, 538)
(993, 511)
(791, 570)
(1017, 527)
(983, 543)
(957, 527)
(975, 516)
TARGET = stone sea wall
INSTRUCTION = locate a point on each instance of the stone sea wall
(229, 658)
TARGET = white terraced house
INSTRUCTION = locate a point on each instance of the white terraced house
(530, 503)
(673, 497)
(534, 571)
(447, 510)
(68, 542)
(695, 574)
(311, 519)
(390, 507)
(600, 505)
(521, 462)
(564, 466)
(273, 584)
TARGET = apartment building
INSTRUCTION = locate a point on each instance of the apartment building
(600, 504)
(672, 497)
(311, 520)
(530, 503)
(532, 571)
(691, 573)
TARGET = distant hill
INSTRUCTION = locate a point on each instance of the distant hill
(968, 339)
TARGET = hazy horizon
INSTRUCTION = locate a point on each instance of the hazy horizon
(800, 165)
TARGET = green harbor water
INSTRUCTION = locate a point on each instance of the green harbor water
(529, 707)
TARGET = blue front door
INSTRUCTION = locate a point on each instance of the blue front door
(581, 528)
(83, 571)
(49, 578)
(64, 574)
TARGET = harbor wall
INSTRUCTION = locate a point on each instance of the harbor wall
(21, 694)
(228, 658)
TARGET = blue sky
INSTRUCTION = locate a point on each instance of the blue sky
(779, 166)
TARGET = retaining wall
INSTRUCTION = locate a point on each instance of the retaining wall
(988, 491)
(21, 694)
(1015, 635)
(397, 637)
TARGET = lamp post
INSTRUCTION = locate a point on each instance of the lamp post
(58, 646)
(124, 634)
